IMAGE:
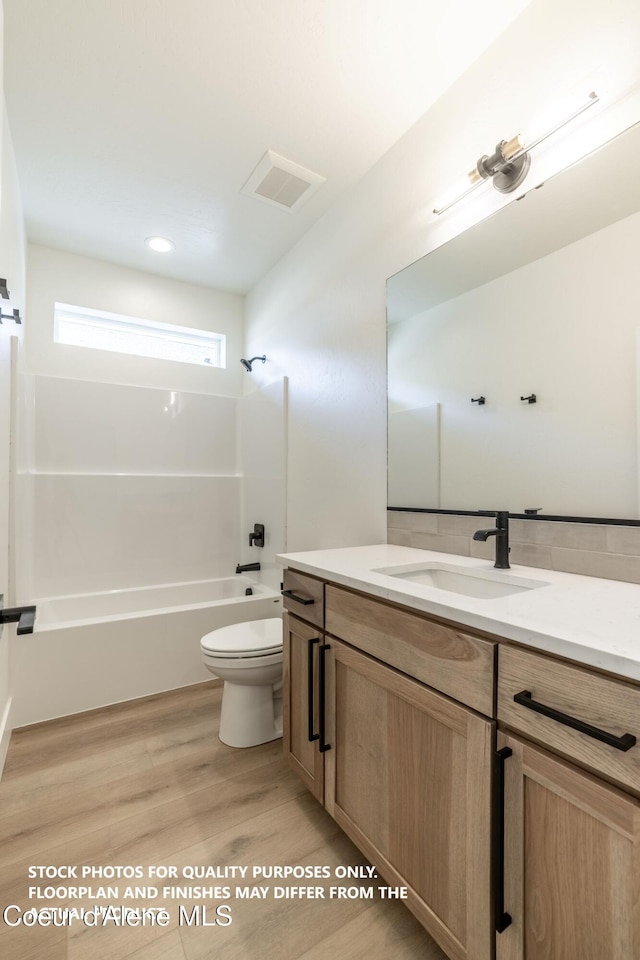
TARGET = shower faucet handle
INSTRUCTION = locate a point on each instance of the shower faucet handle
(256, 539)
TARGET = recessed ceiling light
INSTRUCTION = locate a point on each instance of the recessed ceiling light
(159, 244)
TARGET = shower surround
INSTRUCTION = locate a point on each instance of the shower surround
(137, 487)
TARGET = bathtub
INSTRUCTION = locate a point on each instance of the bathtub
(91, 650)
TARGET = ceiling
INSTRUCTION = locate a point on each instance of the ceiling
(133, 118)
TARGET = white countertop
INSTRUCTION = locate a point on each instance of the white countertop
(586, 619)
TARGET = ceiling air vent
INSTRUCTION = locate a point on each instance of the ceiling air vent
(281, 182)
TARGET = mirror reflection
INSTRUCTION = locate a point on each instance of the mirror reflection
(513, 351)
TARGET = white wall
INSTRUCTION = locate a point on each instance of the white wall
(12, 258)
(320, 313)
(263, 457)
(84, 282)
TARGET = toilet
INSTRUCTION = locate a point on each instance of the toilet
(248, 657)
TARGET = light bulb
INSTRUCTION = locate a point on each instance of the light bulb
(159, 244)
(562, 113)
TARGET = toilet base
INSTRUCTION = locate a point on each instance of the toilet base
(250, 715)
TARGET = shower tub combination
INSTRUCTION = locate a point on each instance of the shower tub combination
(91, 650)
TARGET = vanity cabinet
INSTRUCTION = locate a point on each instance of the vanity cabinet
(373, 726)
(301, 703)
(304, 597)
(498, 783)
(571, 835)
(568, 709)
(571, 861)
(304, 658)
(408, 778)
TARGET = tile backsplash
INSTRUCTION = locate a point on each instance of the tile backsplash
(604, 550)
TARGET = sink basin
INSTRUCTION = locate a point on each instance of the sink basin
(468, 581)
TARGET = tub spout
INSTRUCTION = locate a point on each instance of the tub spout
(246, 567)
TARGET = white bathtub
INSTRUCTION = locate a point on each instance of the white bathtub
(91, 650)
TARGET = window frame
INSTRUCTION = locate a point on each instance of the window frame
(117, 322)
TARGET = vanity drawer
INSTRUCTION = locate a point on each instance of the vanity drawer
(444, 658)
(304, 596)
(577, 694)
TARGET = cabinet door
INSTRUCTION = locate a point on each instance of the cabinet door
(572, 862)
(301, 703)
(408, 778)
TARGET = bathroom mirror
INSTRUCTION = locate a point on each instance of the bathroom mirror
(513, 353)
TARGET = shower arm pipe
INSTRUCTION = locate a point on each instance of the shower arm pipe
(248, 364)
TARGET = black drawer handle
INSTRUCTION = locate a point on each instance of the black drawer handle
(323, 745)
(502, 918)
(624, 743)
(294, 596)
(311, 736)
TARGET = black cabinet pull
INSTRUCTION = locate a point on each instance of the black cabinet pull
(23, 616)
(311, 643)
(294, 596)
(502, 918)
(624, 743)
(324, 746)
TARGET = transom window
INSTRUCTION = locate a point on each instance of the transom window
(83, 327)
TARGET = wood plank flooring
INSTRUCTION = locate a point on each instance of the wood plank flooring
(148, 784)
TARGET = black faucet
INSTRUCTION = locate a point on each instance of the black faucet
(245, 567)
(501, 533)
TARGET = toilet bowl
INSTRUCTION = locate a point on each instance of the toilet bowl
(248, 657)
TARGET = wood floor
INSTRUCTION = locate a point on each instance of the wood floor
(148, 784)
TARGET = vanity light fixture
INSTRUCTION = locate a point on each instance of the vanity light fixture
(509, 164)
(160, 244)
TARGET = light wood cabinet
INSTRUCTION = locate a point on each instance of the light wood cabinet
(571, 836)
(445, 657)
(524, 850)
(303, 687)
(303, 596)
(571, 862)
(582, 715)
(408, 778)
(405, 770)
(301, 703)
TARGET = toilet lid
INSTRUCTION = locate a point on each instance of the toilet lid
(253, 638)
